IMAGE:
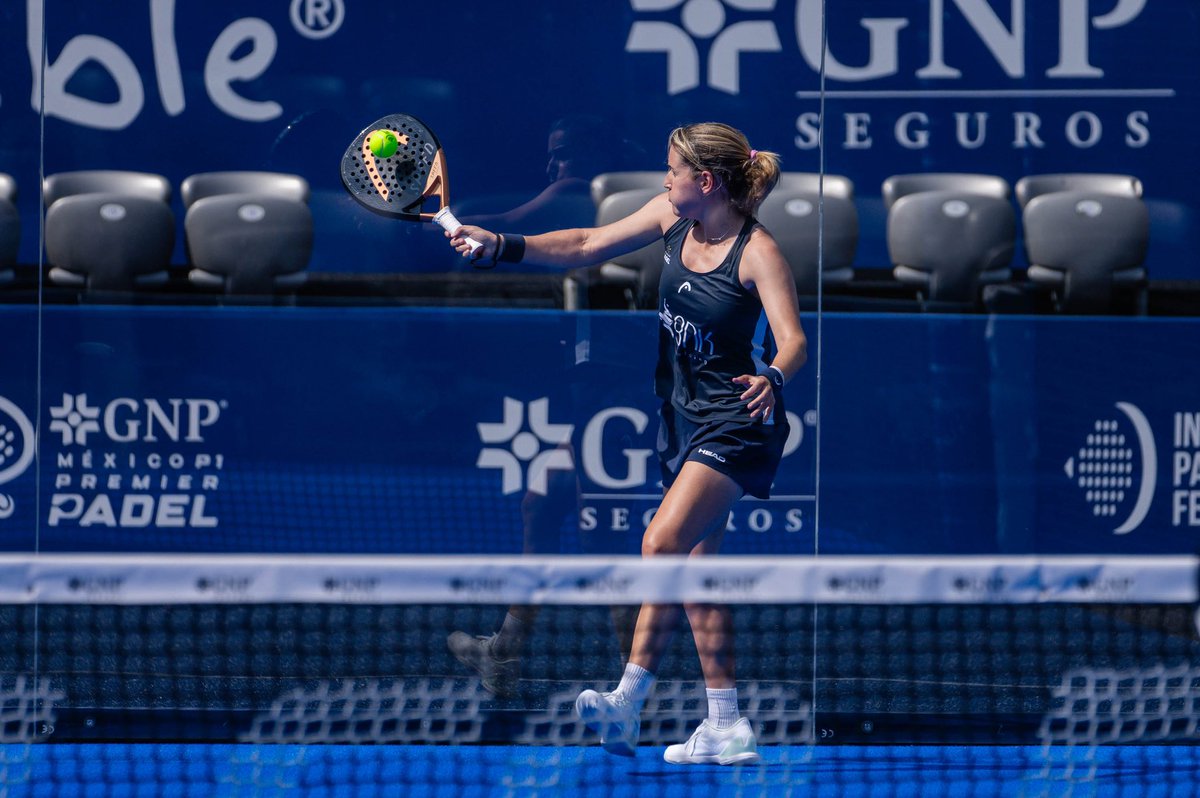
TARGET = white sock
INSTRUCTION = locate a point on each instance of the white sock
(722, 707)
(636, 684)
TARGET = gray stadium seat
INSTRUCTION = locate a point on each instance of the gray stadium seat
(249, 243)
(10, 228)
(898, 186)
(208, 184)
(948, 244)
(608, 183)
(794, 218)
(105, 181)
(109, 241)
(1085, 245)
(811, 182)
(635, 274)
(1032, 186)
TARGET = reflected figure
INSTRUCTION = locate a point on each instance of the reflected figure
(578, 148)
(545, 519)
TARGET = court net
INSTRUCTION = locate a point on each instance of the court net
(1061, 657)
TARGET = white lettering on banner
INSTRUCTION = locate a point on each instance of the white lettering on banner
(616, 518)
(221, 70)
(1004, 42)
(317, 19)
(135, 510)
(1187, 430)
(911, 130)
(168, 489)
(617, 515)
(1004, 38)
(593, 449)
(882, 34)
(126, 419)
(1185, 470)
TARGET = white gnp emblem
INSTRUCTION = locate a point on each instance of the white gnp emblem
(525, 446)
(1104, 471)
(702, 19)
(75, 419)
(16, 449)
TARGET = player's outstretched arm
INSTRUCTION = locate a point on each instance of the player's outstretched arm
(572, 248)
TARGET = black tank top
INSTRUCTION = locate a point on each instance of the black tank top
(712, 330)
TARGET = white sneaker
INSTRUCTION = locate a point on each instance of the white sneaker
(709, 745)
(611, 715)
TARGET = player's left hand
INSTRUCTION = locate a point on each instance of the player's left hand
(759, 396)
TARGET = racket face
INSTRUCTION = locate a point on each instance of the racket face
(396, 185)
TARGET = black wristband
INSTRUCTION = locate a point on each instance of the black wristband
(774, 376)
(513, 249)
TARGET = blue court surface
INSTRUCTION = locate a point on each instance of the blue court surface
(165, 770)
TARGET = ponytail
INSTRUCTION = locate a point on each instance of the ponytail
(747, 175)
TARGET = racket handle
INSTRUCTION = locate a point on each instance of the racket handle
(445, 217)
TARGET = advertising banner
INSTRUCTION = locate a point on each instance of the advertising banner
(297, 430)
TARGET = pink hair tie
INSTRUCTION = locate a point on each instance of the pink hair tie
(753, 154)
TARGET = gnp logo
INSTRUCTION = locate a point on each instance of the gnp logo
(133, 462)
(16, 449)
(124, 419)
(700, 25)
(526, 429)
(702, 20)
(525, 446)
(1116, 467)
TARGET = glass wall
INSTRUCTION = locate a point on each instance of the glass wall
(988, 209)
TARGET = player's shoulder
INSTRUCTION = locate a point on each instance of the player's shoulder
(761, 254)
(761, 243)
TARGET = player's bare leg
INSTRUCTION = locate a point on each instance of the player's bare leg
(691, 520)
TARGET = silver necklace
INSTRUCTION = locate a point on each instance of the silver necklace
(725, 235)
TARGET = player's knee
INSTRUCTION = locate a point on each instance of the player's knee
(656, 542)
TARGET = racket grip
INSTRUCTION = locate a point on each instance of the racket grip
(445, 218)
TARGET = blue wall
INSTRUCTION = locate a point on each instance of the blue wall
(409, 430)
(181, 86)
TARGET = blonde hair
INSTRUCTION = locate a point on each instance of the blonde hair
(748, 175)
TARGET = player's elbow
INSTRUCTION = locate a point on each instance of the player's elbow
(794, 347)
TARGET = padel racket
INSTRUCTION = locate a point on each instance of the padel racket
(402, 183)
